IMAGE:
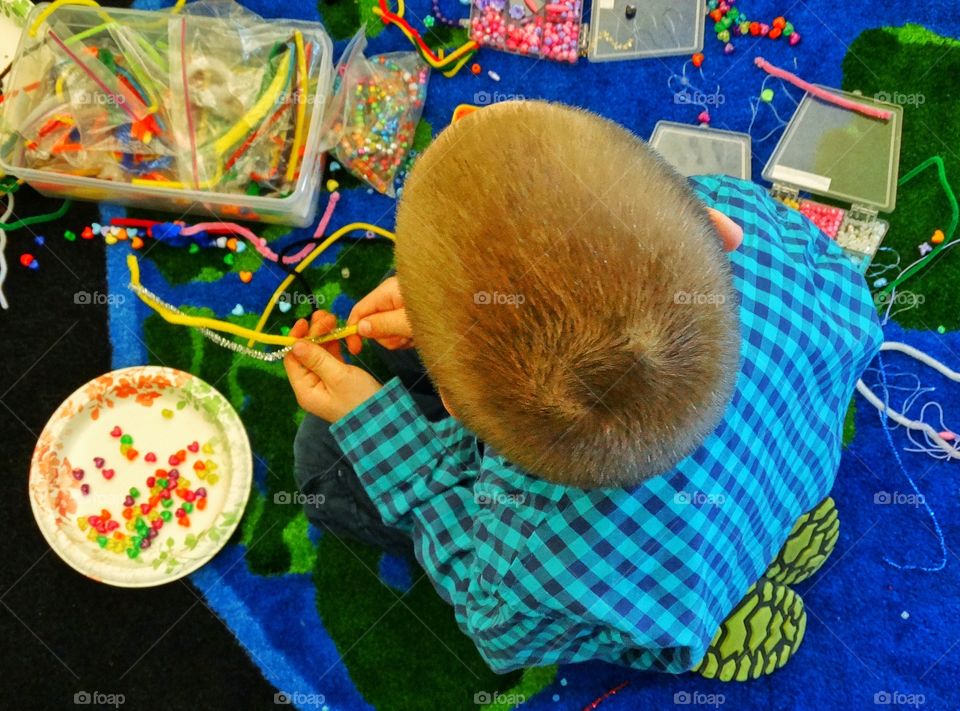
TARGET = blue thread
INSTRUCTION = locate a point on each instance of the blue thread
(903, 470)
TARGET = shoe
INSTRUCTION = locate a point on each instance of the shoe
(758, 637)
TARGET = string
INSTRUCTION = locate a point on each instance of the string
(3, 248)
(884, 411)
(317, 251)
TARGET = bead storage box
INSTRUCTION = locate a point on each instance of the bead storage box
(215, 114)
(847, 157)
(618, 29)
(698, 150)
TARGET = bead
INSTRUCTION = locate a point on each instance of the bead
(150, 457)
(201, 493)
(879, 283)
(724, 36)
(116, 432)
(794, 39)
(246, 277)
(84, 489)
(780, 22)
(925, 248)
(787, 29)
(766, 95)
(630, 11)
(173, 460)
(98, 462)
(186, 506)
(128, 501)
(78, 474)
(697, 59)
(475, 69)
(775, 33)
(167, 413)
(70, 236)
(729, 49)
(332, 185)
(166, 516)
(704, 117)
(938, 237)
(107, 474)
(237, 310)
(29, 261)
(132, 454)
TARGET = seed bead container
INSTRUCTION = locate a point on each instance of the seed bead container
(849, 158)
(215, 115)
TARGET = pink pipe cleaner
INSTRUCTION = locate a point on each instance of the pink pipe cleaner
(259, 243)
(843, 103)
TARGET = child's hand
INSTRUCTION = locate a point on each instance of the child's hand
(325, 386)
(381, 315)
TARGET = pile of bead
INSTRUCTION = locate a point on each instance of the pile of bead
(551, 31)
(826, 217)
(145, 516)
(730, 22)
(380, 115)
(862, 237)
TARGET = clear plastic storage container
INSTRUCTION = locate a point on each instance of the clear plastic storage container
(698, 150)
(214, 115)
(846, 156)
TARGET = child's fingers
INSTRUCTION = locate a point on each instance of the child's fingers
(386, 297)
(385, 325)
(322, 322)
(354, 344)
(300, 328)
(318, 360)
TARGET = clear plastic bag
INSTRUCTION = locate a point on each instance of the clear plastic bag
(374, 111)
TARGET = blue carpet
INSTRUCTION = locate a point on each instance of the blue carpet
(859, 645)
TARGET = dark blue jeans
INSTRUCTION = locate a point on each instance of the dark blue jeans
(338, 502)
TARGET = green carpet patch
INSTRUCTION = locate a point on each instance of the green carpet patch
(373, 631)
(917, 68)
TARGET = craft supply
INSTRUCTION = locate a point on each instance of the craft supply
(150, 110)
(114, 528)
(929, 254)
(823, 94)
(549, 31)
(374, 112)
(210, 327)
(306, 261)
(448, 65)
(626, 29)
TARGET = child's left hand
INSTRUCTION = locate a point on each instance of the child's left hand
(325, 386)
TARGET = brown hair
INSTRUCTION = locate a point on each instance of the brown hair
(568, 293)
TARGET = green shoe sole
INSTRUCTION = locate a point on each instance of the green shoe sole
(758, 637)
(808, 546)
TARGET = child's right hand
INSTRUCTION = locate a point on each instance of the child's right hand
(381, 315)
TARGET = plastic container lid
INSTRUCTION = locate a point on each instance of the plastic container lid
(657, 28)
(695, 150)
(835, 152)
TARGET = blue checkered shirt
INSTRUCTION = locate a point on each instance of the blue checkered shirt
(539, 573)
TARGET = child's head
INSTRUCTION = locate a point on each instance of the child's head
(568, 294)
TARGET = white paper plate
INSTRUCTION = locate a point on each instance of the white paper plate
(166, 412)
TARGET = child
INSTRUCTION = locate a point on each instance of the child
(639, 430)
